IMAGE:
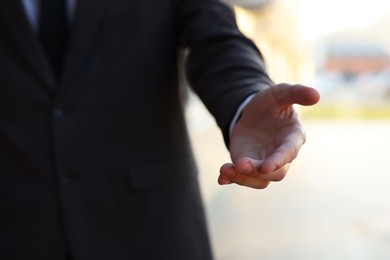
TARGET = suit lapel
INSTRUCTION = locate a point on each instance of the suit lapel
(84, 28)
(27, 41)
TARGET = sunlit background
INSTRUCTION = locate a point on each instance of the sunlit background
(335, 201)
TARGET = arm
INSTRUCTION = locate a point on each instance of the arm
(224, 68)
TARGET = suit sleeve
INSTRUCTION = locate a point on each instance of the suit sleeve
(223, 66)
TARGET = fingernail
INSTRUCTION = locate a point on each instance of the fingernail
(224, 181)
(247, 168)
(230, 173)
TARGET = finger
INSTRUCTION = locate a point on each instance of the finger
(249, 181)
(222, 180)
(286, 152)
(228, 175)
(254, 168)
(286, 94)
(305, 95)
(247, 166)
(284, 155)
(276, 175)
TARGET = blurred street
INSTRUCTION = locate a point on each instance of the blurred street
(334, 203)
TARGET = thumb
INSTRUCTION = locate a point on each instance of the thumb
(286, 94)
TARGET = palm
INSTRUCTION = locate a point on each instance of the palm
(268, 135)
(264, 128)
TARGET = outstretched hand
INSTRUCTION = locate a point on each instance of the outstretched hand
(267, 137)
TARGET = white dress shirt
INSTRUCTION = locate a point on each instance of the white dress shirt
(31, 8)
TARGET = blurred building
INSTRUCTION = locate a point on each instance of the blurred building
(356, 59)
(355, 62)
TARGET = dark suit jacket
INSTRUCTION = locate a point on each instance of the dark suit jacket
(99, 163)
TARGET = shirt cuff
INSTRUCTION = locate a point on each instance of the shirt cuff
(239, 111)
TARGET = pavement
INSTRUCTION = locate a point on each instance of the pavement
(334, 203)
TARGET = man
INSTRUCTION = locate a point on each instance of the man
(95, 161)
